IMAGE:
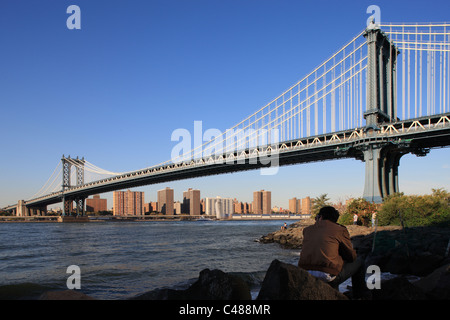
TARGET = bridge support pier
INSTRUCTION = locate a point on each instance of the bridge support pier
(382, 157)
(67, 164)
(381, 176)
(22, 209)
(69, 209)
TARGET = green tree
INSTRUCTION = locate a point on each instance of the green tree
(319, 202)
(362, 208)
(416, 210)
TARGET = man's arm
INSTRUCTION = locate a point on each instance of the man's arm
(346, 250)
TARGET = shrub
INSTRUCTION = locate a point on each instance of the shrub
(416, 210)
(362, 208)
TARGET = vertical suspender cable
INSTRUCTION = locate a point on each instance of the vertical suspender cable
(441, 102)
(316, 107)
(403, 77)
(324, 108)
(409, 80)
(415, 75)
(420, 77)
(333, 98)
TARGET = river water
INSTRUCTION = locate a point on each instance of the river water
(119, 260)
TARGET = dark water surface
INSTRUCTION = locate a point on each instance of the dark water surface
(119, 260)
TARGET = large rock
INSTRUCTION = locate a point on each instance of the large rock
(437, 283)
(398, 289)
(290, 238)
(211, 285)
(218, 285)
(288, 282)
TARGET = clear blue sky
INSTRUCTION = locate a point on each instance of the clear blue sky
(114, 91)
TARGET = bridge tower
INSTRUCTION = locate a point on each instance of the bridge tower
(381, 156)
(67, 164)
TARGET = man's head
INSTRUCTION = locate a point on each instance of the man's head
(328, 213)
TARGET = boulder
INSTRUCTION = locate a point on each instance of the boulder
(218, 285)
(398, 289)
(437, 283)
(211, 285)
(288, 282)
(424, 263)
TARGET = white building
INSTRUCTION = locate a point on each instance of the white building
(222, 208)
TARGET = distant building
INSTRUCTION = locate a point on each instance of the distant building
(262, 201)
(128, 203)
(242, 207)
(306, 205)
(257, 202)
(219, 207)
(96, 204)
(238, 206)
(150, 207)
(165, 201)
(202, 206)
(191, 202)
(177, 205)
(295, 205)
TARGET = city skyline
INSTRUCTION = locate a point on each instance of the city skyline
(135, 73)
(128, 203)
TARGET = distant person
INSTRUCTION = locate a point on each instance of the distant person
(374, 218)
(327, 252)
(355, 219)
(284, 227)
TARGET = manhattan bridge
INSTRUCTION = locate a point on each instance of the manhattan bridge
(384, 94)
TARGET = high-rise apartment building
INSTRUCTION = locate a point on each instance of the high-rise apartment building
(257, 202)
(295, 205)
(96, 204)
(219, 207)
(128, 203)
(165, 201)
(191, 202)
(306, 205)
(262, 202)
(266, 202)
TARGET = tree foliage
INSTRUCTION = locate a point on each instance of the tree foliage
(362, 208)
(319, 202)
(399, 209)
(416, 210)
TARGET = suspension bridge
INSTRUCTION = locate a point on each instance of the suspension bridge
(384, 94)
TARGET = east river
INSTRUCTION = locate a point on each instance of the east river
(119, 260)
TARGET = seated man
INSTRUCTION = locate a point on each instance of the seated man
(327, 252)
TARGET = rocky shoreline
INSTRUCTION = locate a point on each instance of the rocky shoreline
(421, 251)
(414, 251)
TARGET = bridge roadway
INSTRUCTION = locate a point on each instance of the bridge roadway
(415, 136)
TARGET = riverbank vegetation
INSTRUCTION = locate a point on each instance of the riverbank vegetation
(402, 210)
